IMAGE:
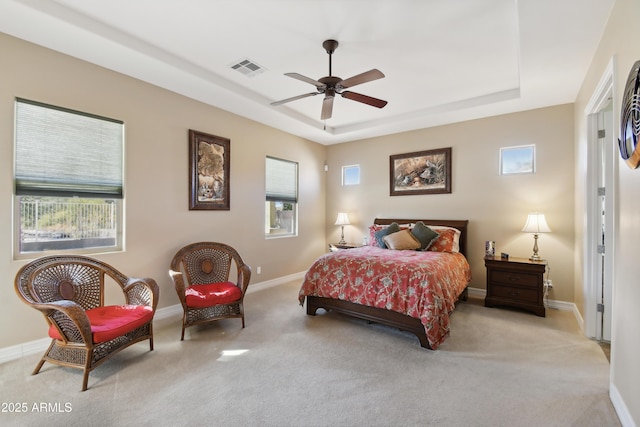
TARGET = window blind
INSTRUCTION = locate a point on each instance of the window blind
(66, 153)
(281, 180)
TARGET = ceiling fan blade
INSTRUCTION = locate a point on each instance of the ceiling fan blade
(294, 98)
(374, 102)
(327, 108)
(306, 80)
(365, 77)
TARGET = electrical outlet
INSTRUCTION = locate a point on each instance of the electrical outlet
(258, 270)
(548, 284)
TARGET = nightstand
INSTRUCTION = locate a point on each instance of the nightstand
(337, 246)
(515, 282)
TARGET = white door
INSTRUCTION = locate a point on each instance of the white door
(603, 277)
(597, 252)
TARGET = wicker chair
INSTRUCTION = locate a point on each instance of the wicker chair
(69, 291)
(200, 272)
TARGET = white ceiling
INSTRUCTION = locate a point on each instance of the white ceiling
(444, 61)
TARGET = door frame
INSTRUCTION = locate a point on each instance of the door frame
(602, 96)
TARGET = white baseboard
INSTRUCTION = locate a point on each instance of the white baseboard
(621, 409)
(39, 346)
(579, 318)
(260, 286)
(477, 292)
(26, 349)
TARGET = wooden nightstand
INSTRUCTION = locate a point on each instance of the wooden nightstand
(515, 282)
(338, 246)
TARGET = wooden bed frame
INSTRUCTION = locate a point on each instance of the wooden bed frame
(380, 315)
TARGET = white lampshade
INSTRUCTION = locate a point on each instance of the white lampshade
(536, 223)
(343, 219)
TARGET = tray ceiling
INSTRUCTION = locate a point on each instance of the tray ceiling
(444, 61)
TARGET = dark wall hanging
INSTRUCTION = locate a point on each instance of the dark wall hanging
(209, 159)
(630, 119)
(422, 172)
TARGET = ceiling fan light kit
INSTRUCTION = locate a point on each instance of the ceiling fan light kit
(332, 85)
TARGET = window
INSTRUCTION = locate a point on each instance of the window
(351, 175)
(281, 207)
(68, 179)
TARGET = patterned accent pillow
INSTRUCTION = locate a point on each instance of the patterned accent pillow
(448, 241)
(379, 235)
(372, 233)
(377, 227)
(402, 240)
(424, 234)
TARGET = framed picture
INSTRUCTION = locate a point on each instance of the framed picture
(518, 160)
(209, 159)
(422, 172)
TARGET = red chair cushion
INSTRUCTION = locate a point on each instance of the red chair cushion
(112, 321)
(210, 294)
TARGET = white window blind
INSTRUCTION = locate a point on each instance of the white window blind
(66, 153)
(281, 180)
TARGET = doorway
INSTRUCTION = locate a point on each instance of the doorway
(600, 209)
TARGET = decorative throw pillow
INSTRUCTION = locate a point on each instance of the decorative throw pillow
(373, 229)
(372, 241)
(401, 240)
(448, 241)
(424, 234)
(393, 228)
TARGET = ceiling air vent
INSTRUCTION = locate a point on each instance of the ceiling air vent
(247, 67)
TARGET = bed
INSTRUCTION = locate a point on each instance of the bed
(412, 290)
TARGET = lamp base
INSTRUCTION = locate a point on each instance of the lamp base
(535, 256)
(342, 241)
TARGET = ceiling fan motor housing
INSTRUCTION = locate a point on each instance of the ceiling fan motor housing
(331, 82)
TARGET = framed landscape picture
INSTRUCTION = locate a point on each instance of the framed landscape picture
(209, 159)
(421, 172)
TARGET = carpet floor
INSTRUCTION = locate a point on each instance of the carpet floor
(498, 367)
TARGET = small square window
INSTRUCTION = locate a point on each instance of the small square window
(518, 160)
(351, 175)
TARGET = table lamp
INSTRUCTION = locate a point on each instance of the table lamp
(536, 224)
(342, 220)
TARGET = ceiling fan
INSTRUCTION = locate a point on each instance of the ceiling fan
(332, 85)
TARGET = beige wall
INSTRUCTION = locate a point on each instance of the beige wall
(158, 221)
(620, 42)
(496, 205)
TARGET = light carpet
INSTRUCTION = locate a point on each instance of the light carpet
(498, 367)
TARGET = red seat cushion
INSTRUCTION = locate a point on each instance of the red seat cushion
(212, 294)
(112, 321)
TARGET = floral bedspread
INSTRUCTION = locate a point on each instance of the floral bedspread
(423, 285)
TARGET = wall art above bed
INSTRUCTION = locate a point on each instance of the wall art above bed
(421, 172)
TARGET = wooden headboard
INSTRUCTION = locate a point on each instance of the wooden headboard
(459, 224)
